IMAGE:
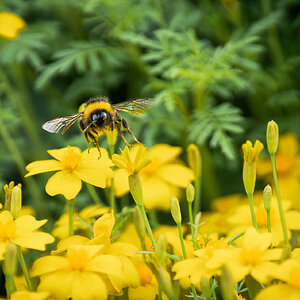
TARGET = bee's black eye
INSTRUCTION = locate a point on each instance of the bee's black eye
(99, 116)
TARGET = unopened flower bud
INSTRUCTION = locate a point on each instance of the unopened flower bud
(226, 284)
(267, 195)
(8, 190)
(10, 259)
(194, 159)
(272, 137)
(139, 223)
(161, 248)
(190, 193)
(175, 210)
(16, 201)
(135, 187)
(205, 287)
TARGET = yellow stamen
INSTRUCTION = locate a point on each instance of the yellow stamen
(250, 256)
(71, 160)
(78, 258)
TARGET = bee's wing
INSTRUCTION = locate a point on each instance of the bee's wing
(62, 124)
(136, 106)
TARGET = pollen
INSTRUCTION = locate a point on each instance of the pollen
(295, 278)
(78, 258)
(250, 256)
(145, 274)
(7, 230)
(71, 160)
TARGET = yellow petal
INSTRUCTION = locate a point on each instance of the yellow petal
(6, 216)
(28, 223)
(165, 153)
(107, 264)
(26, 295)
(10, 25)
(59, 153)
(93, 155)
(63, 245)
(34, 240)
(263, 271)
(121, 182)
(279, 291)
(157, 193)
(49, 264)
(65, 183)
(254, 240)
(176, 174)
(93, 211)
(148, 291)
(42, 166)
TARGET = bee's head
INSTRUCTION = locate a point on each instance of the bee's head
(101, 118)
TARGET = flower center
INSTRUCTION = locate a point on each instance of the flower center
(145, 274)
(78, 258)
(250, 256)
(151, 168)
(71, 160)
(283, 164)
(295, 278)
(7, 230)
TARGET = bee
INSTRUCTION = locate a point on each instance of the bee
(98, 116)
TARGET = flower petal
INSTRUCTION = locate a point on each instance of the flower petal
(279, 291)
(34, 240)
(10, 25)
(28, 223)
(107, 264)
(121, 182)
(42, 166)
(65, 183)
(176, 174)
(49, 264)
(164, 152)
(59, 153)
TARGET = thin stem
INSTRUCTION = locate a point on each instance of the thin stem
(159, 292)
(9, 284)
(148, 227)
(192, 225)
(197, 201)
(269, 220)
(194, 292)
(24, 268)
(70, 207)
(250, 197)
(272, 156)
(94, 194)
(181, 240)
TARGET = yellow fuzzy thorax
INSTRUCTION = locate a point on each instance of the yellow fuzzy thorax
(97, 105)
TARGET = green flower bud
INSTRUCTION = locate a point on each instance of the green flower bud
(267, 195)
(161, 248)
(272, 137)
(194, 159)
(175, 210)
(10, 259)
(190, 193)
(16, 201)
(139, 223)
(226, 284)
(135, 187)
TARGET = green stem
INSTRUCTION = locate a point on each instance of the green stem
(9, 284)
(148, 227)
(24, 268)
(94, 195)
(181, 240)
(250, 197)
(272, 156)
(269, 220)
(112, 199)
(70, 205)
(197, 205)
(194, 292)
(192, 225)
(159, 292)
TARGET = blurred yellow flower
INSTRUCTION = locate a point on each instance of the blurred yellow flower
(23, 232)
(80, 274)
(73, 166)
(253, 257)
(288, 168)
(26, 295)
(10, 25)
(289, 273)
(161, 179)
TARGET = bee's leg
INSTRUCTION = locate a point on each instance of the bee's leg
(95, 140)
(126, 127)
(86, 135)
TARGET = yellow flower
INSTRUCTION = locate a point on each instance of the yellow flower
(161, 179)
(253, 257)
(249, 170)
(10, 25)
(288, 168)
(288, 272)
(23, 232)
(240, 219)
(80, 274)
(73, 166)
(81, 224)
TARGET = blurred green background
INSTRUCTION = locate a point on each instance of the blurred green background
(219, 70)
